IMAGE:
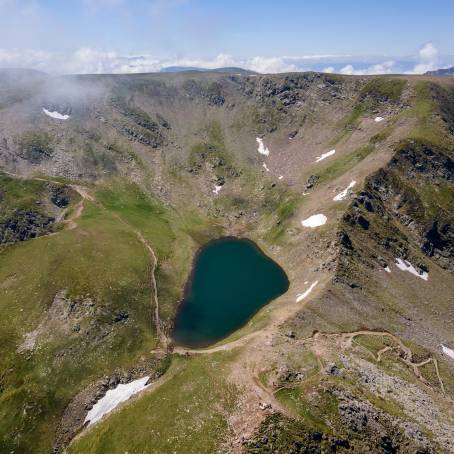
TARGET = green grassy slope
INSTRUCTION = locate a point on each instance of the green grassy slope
(103, 260)
(188, 412)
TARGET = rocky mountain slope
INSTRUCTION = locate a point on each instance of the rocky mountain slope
(109, 186)
(442, 72)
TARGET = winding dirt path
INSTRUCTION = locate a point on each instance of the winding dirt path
(79, 208)
(406, 355)
(219, 348)
(154, 297)
(71, 223)
(257, 400)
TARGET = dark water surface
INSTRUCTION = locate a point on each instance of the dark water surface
(231, 280)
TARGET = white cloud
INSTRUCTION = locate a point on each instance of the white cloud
(270, 65)
(34, 59)
(387, 67)
(348, 69)
(89, 60)
(428, 53)
(428, 59)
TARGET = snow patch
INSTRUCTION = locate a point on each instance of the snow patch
(315, 220)
(265, 167)
(325, 155)
(407, 266)
(217, 189)
(378, 119)
(115, 397)
(387, 269)
(262, 149)
(343, 194)
(301, 296)
(281, 176)
(56, 115)
(447, 351)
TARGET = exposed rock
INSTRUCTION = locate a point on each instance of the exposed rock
(60, 196)
(74, 414)
(278, 434)
(311, 182)
(24, 225)
(332, 369)
(438, 242)
(66, 317)
(121, 316)
(35, 146)
(345, 241)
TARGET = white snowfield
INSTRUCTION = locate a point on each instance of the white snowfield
(265, 167)
(56, 115)
(388, 269)
(407, 266)
(217, 189)
(325, 155)
(301, 296)
(281, 176)
(315, 220)
(343, 194)
(378, 119)
(262, 149)
(113, 398)
(447, 351)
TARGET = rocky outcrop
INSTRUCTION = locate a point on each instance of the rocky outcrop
(60, 196)
(445, 101)
(211, 92)
(35, 146)
(289, 90)
(279, 434)
(63, 317)
(438, 242)
(139, 126)
(378, 431)
(405, 207)
(74, 415)
(421, 159)
(152, 139)
(358, 427)
(24, 225)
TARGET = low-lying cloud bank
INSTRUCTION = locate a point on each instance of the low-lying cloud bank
(92, 61)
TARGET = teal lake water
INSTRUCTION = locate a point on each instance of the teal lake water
(231, 280)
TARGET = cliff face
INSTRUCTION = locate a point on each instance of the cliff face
(406, 207)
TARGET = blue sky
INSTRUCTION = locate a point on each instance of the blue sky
(200, 31)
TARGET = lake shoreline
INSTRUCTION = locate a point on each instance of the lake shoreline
(190, 282)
